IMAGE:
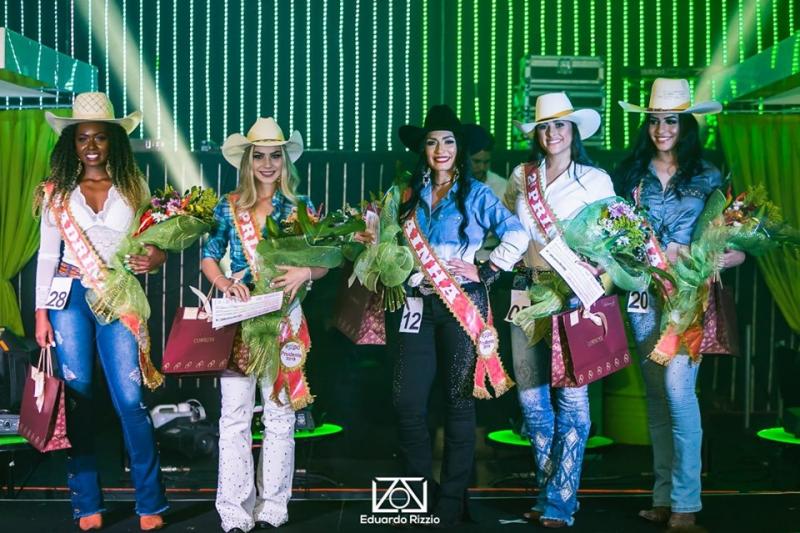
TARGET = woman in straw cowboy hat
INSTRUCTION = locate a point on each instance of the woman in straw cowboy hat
(564, 180)
(96, 187)
(667, 176)
(267, 187)
(446, 214)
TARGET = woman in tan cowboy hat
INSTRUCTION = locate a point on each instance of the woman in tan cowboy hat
(564, 180)
(267, 188)
(667, 176)
(95, 187)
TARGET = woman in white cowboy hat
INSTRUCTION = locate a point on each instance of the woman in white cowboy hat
(561, 176)
(267, 187)
(667, 176)
(95, 185)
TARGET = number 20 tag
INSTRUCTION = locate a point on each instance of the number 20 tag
(412, 315)
(58, 294)
(639, 302)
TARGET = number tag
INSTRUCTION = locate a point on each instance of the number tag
(412, 315)
(519, 301)
(639, 302)
(59, 292)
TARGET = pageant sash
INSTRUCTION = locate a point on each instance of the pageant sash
(539, 209)
(93, 274)
(291, 375)
(669, 343)
(248, 234)
(482, 332)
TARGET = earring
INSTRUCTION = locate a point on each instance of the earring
(456, 174)
(108, 168)
(79, 169)
(426, 177)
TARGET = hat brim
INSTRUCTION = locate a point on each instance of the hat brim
(128, 123)
(587, 121)
(235, 145)
(702, 108)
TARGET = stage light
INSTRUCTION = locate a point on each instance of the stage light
(291, 65)
(626, 121)
(158, 70)
(390, 83)
(105, 42)
(526, 23)
(324, 75)
(708, 30)
(740, 19)
(307, 44)
(141, 64)
(543, 28)
(675, 47)
(242, 69)
(475, 62)
(259, 29)
(608, 70)
(124, 55)
(510, 75)
(373, 85)
(175, 75)
(357, 80)
(593, 24)
(275, 62)
(425, 56)
(340, 32)
(208, 67)
(406, 58)
(558, 27)
(493, 70)
(691, 61)
(459, 54)
(724, 43)
(576, 33)
(659, 47)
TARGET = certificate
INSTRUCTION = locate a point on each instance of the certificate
(228, 311)
(567, 264)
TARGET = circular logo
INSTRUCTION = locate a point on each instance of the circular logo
(292, 354)
(487, 342)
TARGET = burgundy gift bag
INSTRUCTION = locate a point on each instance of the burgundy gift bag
(588, 346)
(194, 347)
(43, 419)
(720, 331)
(359, 312)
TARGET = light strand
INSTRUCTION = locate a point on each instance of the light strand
(509, 75)
(493, 74)
(307, 44)
(390, 83)
(475, 62)
(425, 56)
(242, 70)
(259, 29)
(340, 63)
(175, 77)
(191, 78)
(459, 55)
(324, 75)
(374, 87)
(208, 70)
(357, 80)
(609, 68)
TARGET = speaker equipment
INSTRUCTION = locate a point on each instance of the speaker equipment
(15, 355)
(183, 428)
(791, 421)
(9, 423)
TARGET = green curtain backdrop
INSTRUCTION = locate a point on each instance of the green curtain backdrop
(765, 149)
(25, 144)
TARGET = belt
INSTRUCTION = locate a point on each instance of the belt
(65, 270)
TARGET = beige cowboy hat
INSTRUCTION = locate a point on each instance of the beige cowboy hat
(265, 132)
(556, 106)
(93, 107)
(672, 96)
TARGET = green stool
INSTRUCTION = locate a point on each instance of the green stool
(783, 465)
(12, 444)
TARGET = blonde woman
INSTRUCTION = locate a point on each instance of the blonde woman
(267, 188)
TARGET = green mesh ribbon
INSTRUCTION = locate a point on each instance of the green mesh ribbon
(548, 295)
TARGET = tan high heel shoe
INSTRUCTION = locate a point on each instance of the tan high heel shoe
(658, 515)
(93, 521)
(150, 522)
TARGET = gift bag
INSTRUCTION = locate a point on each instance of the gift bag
(359, 312)
(43, 419)
(193, 346)
(588, 345)
(720, 331)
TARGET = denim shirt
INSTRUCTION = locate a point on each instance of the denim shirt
(485, 213)
(673, 212)
(224, 234)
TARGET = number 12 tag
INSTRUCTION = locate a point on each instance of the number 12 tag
(59, 292)
(639, 302)
(412, 315)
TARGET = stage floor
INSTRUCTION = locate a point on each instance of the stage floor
(491, 511)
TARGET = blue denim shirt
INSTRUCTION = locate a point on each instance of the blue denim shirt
(485, 213)
(673, 212)
(224, 234)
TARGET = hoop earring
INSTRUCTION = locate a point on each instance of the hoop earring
(426, 177)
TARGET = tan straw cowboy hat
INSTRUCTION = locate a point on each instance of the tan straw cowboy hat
(672, 96)
(93, 107)
(265, 132)
(556, 106)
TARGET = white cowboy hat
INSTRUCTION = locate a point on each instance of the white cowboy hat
(265, 132)
(672, 96)
(93, 107)
(556, 106)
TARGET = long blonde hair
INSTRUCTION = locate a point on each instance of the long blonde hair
(246, 190)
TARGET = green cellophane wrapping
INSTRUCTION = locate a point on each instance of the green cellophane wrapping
(123, 293)
(548, 295)
(585, 236)
(261, 333)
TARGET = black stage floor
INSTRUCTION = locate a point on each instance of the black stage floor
(491, 511)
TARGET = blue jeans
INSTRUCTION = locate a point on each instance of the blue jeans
(78, 337)
(673, 418)
(558, 436)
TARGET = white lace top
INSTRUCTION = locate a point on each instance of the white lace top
(104, 230)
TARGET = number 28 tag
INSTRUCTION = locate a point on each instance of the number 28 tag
(412, 315)
(519, 301)
(58, 294)
(639, 302)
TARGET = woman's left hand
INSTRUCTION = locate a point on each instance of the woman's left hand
(152, 259)
(462, 268)
(291, 280)
(732, 258)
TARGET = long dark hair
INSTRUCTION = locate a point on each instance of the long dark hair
(689, 151)
(125, 174)
(576, 149)
(465, 181)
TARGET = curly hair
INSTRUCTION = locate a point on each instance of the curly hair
(124, 172)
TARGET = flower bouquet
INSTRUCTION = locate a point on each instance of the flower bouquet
(305, 239)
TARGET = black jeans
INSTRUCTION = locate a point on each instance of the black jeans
(440, 346)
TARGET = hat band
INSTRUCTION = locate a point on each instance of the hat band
(557, 115)
(268, 141)
(680, 107)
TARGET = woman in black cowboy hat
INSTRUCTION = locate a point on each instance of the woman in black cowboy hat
(445, 325)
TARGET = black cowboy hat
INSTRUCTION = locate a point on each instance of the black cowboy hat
(442, 118)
